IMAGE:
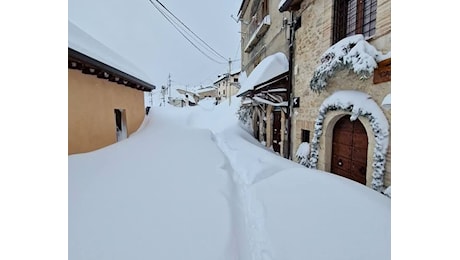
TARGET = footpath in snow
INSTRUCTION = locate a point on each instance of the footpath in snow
(192, 184)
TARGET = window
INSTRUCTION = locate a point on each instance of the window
(353, 17)
(259, 10)
(305, 135)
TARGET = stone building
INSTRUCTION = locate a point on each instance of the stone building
(319, 77)
(341, 74)
(264, 59)
(227, 86)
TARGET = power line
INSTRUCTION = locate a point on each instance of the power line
(218, 54)
(174, 24)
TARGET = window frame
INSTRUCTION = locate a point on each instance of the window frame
(350, 20)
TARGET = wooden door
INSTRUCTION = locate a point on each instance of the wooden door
(349, 150)
(276, 131)
(256, 124)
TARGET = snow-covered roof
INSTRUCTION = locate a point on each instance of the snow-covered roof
(79, 40)
(206, 89)
(270, 67)
(224, 76)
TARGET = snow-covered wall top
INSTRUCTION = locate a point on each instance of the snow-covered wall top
(270, 67)
(82, 42)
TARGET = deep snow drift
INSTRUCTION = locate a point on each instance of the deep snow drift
(192, 184)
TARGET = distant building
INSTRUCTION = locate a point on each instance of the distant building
(188, 98)
(227, 86)
(207, 92)
(105, 92)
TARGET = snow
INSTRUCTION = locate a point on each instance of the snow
(85, 43)
(281, 4)
(270, 67)
(191, 183)
(201, 90)
(352, 52)
(260, 30)
(362, 104)
(386, 102)
(359, 104)
(268, 102)
(387, 191)
(303, 152)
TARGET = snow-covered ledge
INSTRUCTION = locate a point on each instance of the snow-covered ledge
(258, 33)
(358, 104)
(353, 53)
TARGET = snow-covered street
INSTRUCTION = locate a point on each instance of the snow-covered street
(192, 183)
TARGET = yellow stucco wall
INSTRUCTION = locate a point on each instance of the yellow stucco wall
(91, 122)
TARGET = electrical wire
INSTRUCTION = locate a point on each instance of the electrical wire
(175, 25)
(217, 53)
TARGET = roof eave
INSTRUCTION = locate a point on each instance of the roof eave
(140, 84)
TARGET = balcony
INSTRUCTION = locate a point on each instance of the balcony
(257, 33)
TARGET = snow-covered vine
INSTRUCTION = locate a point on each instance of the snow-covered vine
(358, 104)
(353, 53)
(245, 116)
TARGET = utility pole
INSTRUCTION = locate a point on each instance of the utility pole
(229, 95)
(169, 85)
(163, 93)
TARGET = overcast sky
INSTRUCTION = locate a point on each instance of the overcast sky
(136, 30)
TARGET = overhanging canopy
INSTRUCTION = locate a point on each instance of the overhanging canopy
(269, 68)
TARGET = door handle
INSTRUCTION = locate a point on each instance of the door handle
(340, 163)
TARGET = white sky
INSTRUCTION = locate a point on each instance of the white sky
(139, 32)
(193, 184)
(34, 194)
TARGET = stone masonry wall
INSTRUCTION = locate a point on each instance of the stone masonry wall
(313, 38)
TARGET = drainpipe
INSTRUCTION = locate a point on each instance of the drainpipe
(289, 90)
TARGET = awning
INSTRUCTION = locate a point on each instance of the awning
(269, 68)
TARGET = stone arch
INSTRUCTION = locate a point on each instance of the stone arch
(358, 105)
(325, 154)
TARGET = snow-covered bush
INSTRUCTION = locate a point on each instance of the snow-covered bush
(302, 153)
(353, 53)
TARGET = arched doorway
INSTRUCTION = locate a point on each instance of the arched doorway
(349, 150)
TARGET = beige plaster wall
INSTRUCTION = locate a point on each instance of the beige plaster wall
(312, 40)
(91, 111)
(275, 39)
